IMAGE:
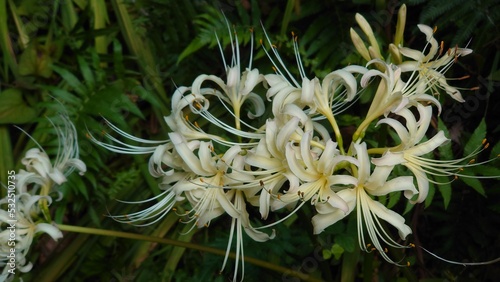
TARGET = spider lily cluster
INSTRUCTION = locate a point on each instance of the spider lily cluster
(27, 214)
(288, 151)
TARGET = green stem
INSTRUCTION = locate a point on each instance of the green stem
(126, 235)
(44, 205)
(336, 130)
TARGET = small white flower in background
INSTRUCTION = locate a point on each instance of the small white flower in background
(40, 169)
(28, 225)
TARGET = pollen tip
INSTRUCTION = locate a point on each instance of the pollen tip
(435, 29)
(408, 263)
(475, 88)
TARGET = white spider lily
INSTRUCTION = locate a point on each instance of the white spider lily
(324, 99)
(205, 191)
(122, 147)
(270, 158)
(431, 68)
(27, 225)
(238, 224)
(411, 153)
(317, 174)
(368, 211)
(199, 106)
(38, 163)
(238, 87)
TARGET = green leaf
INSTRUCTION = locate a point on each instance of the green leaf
(337, 251)
(13, 109)
(88, 76)
(475, 184)
(476, 138)
(327, 254)
(194, 46)
(393, 199)
(444, 187)
(495, 151)
(71, 79)
(35, 60)
(346, 241)
(430, 195)
(445, 150)
(110, 102)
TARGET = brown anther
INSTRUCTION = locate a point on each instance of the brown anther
(251, 29)
(279, 195)
(201, 180)
(441, 48)
(261, 183)
(274, 69)
(274, 46)
(474, 88)
(187, 118)
(386, 250)
(412, 245)
(260, 40)
(293, 34)
(464, 77)
(196, 124)
(435, 29)
(206, 224)
(174, 209)
(88, 135)
(472, 161)
(408, 263)
(198, 105)
(373, 249)
(456, 177)
(448, 52)
(368, 245)
(484, 141)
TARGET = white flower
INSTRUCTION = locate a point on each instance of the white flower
(431, 68)
(39, 167)
(316, 174)
(411, 153)
(238, 224)
(270, 159)
(26, 221)
(368, 211)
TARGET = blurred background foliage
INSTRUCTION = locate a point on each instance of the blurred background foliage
(121, 60)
